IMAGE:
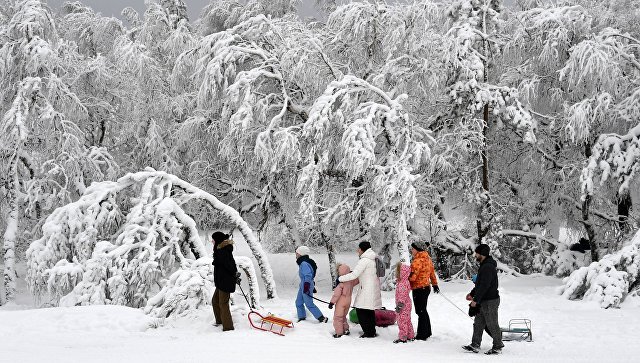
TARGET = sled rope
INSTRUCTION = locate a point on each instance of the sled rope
(245, 297)
(456, 306)
(322, 301)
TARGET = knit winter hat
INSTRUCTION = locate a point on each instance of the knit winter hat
(303, 250)
(483, 250)
(219, 236)
(418, 246)
(364, 245)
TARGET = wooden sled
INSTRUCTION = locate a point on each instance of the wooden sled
(271, 321)
(518, 330)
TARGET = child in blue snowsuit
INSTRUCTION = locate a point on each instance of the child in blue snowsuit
(306, 271)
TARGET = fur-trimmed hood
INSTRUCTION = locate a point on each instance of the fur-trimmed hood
(225, 243)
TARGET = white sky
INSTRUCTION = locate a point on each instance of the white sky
(114, 7)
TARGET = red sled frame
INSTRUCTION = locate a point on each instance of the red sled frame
(271, 319)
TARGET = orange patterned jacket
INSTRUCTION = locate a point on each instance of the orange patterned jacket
(422, 271)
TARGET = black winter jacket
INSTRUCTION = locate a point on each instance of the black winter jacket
(224, 266)
(486, 282)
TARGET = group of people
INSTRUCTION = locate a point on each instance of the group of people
(417, 278)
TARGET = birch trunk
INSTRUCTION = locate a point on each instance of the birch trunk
(10, 238)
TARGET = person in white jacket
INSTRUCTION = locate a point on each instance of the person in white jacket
(368, 297)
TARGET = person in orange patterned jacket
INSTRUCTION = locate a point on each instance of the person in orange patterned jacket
(423, 276)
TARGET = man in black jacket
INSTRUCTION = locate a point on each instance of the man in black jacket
(485, 296)
(225, 277)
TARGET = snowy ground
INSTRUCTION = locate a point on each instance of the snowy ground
(563, 330)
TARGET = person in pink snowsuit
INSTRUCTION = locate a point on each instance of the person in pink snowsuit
(342, 300)
(403, 304)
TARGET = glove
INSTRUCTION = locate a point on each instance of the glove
(436, 289)
(330, 305)
(306, 288)
(238, 279)
(473, 310)
(399, 307)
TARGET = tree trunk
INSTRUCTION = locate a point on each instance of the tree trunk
(245, 264)
(331, 253)
(403, 242)
(482, 222)
(624, 207)
(192, 245)
(10, 236)
(289, 219)
(586, 221)
(588, 225)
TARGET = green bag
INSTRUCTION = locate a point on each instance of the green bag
(353, 316)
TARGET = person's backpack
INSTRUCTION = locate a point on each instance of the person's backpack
(379, 267)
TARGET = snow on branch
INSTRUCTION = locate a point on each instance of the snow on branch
(185, 291)
(238, 73)
(607, 281)
(552, 28)
(470, 38)
(503, 103)
(536, 236)
(125, 236)
(378, 146)
(601, 62)
(613, 155)
(583, 115)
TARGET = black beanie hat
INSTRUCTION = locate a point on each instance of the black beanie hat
(483, 250)
(219, 236)
(417, 246)
(364, 245)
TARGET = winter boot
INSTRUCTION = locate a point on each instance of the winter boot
(337, 336)
(493, 351)
(471, 348)
(399, 341)
(301, 319)
(368, 336)
(346, 332)
(323, 319)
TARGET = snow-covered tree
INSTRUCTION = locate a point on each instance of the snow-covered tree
(360, 140)
(609, 280)
(123, 237)
(251, 90)
(475, 41)
(44, 156)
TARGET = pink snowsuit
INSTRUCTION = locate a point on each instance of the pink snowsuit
(342, 300)
(402, 296)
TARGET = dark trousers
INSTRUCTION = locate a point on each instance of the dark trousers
(420, 297)
(487, 319)
(221, 312)
(367, 320)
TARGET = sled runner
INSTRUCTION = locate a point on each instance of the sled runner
(519, 330)
(272, 320)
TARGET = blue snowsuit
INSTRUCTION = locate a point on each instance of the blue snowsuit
(305, 271)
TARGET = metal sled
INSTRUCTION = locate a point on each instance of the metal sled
(518, 330)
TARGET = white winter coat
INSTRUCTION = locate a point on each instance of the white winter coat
(368, 291)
